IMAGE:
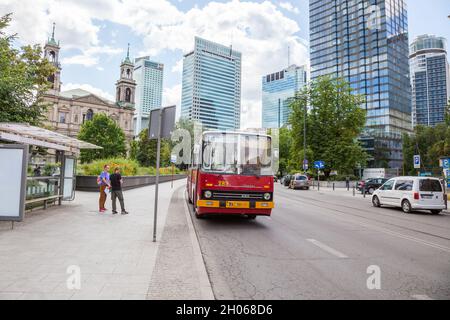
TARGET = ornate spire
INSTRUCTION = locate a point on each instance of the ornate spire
(127, 59)
(53, 33)
(52, 41)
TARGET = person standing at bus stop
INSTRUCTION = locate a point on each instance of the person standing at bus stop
(116, 191)
(104, 185)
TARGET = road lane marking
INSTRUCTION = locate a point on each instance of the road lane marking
(381, 229)
(327, 249)
(421, 297)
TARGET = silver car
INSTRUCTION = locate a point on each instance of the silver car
(300, 181)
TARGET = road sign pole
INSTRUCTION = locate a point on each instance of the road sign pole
(318, 180)
(173, 173)
(158, 155)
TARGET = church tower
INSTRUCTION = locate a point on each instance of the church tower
(126, 86)
(51, 52)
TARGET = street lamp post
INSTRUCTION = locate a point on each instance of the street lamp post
(304, 139)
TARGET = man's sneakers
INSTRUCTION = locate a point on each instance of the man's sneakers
(125, 212)
(114, 212)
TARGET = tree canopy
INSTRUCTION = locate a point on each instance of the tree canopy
(431, 143)
(24, 77)
(334, 121)
(104, 132)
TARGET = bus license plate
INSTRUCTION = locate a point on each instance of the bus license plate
(238, 204)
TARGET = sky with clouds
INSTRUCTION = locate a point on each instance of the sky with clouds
(94, 36)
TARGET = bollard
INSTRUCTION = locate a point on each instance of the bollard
(364, 191)
(354, 191)
(333, 186)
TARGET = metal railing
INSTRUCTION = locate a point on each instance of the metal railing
(42, 190)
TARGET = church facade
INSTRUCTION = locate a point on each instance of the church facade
(68, 110)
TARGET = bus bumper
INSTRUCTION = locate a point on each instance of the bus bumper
(235, 207)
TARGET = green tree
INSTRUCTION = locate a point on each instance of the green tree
(285, 149)
(146, 150)
(334, 121)
(431, 143)
(106, 133)
(24, 77)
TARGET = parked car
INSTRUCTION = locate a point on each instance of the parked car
(371, 184)
(300, 181)
(411, 193)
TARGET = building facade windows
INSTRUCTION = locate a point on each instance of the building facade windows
(366, 43)
(430, 80)
(277, 95)
(211, 89)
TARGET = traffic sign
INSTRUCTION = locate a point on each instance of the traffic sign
(417, 162)
(319, 165)
(173, 158)
(446, 163)
(305, 164)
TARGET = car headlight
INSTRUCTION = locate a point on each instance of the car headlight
(267, 196)
(208, 194)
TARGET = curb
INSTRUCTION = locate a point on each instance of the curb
(205, 285)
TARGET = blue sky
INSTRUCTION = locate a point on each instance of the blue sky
(94, 36)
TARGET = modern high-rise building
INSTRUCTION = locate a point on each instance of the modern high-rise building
(149, 77)
(366, 43)
(430, 80)
(211, 90)
(278, 90)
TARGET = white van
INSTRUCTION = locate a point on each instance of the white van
(411, 193)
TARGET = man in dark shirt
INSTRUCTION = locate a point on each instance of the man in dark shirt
(116, 191)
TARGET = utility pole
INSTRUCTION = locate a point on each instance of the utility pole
(304, 138)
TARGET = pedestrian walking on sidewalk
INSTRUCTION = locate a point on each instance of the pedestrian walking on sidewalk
(105, 185)
(116, 191)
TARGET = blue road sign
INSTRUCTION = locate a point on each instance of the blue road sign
(446, 163)
(417, 162)
(319, 165)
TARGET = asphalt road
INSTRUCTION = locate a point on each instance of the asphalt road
(319, 245)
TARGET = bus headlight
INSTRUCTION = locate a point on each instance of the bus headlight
(267, 196)
(208, 194)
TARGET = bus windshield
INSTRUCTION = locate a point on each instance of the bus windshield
(236, 153)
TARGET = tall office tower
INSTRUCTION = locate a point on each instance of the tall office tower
(430, 80)
(149, 78)
(211, 90)
(366, 43)
(278, 90)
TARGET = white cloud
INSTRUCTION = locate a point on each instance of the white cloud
(289, 7)
(91, 56)
(89, 88)
(259, 30)
(172, 96)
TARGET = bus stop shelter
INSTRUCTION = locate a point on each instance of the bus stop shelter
(17, 188)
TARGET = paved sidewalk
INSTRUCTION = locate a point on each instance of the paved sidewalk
(115, 254)
(179, 271)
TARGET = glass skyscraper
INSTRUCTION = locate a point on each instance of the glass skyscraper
(366, 43)
(430, 80)
(211, 90)
(149, 78)
(278, 90)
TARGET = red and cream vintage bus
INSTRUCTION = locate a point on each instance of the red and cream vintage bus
(232, 174)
